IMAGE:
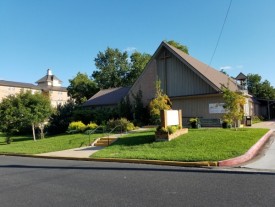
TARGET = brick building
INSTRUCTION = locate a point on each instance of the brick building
(49, 85)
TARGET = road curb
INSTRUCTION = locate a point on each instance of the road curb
(134, 161)
(252, 152)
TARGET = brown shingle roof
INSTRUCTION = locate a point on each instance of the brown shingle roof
(105, 97)
(212, 76)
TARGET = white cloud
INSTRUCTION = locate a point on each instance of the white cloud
(239, 66)
(130, 49)
(226, 67)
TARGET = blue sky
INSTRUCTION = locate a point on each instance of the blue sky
(66, 35)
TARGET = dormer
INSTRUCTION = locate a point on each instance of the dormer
(49, 80)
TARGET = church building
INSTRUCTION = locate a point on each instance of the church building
(192, 86)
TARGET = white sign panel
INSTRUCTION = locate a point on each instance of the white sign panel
(172, 117)
(216, 108)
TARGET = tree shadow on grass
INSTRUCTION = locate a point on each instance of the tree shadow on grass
(135, 139)
(14, 139)
(21, 139)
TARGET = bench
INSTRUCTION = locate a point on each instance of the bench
(210, 122)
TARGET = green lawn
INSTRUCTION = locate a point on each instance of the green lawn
(26, 145)
(197, 145)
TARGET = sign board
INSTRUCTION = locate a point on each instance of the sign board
(216, 108)
(172, 117)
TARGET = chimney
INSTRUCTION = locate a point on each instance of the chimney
(49, 72)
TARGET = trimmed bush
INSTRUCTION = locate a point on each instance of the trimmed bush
(173, 129)
(76, 126)
(91, 126)
(121, 124)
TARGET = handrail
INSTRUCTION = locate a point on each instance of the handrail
(113, 130)
(91, 131)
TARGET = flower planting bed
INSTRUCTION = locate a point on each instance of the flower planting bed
(168, 137)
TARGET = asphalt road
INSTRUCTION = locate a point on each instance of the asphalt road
(43, 182)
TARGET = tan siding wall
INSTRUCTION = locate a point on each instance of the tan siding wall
(57, 97)
(146, 83)
(197, 106)
(179, 80)
(11, 90)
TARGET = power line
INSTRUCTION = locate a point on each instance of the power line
(224, 21)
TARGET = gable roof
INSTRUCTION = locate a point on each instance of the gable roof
(48, 78)
(212, 76)
(241, 76)
(111, 96)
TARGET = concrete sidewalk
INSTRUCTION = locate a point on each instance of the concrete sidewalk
(82, 152)
(266, 158)
(265, 124)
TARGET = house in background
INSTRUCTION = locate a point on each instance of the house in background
(192, 86)
(49, 85)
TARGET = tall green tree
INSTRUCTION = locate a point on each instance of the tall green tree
(36, 109)
(179, 46)
(259, 88)
(81, 88)
(137, 65)
(116, 69)
(11, 118)
(113, 68)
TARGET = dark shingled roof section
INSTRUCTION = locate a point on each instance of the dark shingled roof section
(53, 88)
(214, 77)
(105, 97)
(18, 84)
(31, 86)
(48, 78)
(241, 76)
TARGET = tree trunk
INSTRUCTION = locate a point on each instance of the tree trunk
(41, 127)
(8, 139)
(33, 132)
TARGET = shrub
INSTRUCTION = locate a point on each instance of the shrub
(91, 126)
(76, 126)
(194, 122)
(162, 130)
(169, 129)
(226, 124)
(61, 118)
(173, 129)
(121, 124)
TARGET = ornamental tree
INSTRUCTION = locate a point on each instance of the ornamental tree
(234, 104)
(24, 109)
(160, 102)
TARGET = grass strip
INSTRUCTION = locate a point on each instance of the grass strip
(26, 145)
(206, 144)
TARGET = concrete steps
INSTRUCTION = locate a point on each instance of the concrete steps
(104, 141)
